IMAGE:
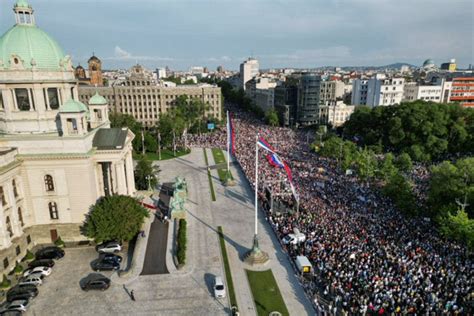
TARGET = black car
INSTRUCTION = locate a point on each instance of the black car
(110, 257)
(21, 292)
(41, 263)
(100, 264)
(95, 281)
(50, 253)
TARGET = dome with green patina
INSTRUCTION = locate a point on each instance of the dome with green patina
(97, 99)
(30, 46)
(73, 106)
(22, 4)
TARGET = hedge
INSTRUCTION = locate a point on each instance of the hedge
(181, 253)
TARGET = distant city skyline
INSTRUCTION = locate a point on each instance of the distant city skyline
(299, 34)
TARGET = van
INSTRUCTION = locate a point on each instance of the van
(32, 279)
(294, 239)
(303, 264)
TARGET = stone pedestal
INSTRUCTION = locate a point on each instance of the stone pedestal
(256, 256)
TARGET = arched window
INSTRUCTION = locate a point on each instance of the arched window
(20, 217)
(9, 226)
(2, 197)
(48, 183)
(53, 210)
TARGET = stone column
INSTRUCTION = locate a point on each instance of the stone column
(5, 240)
(120, 176)
(130, 173)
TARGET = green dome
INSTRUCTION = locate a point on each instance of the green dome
(97, 99)
(73, 106)
(31, 44)
(22, 4)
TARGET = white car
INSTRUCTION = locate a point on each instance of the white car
(18, 305)
(109, 247)
(219, 288)
(42, 270)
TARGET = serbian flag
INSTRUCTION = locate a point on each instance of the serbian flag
(230, 134)
(275, 161)
(265, 145)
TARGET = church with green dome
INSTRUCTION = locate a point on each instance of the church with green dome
(57, 154)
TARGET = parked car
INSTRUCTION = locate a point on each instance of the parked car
(32, 279)
(41, 263)
(109, 247)
(17, 305)
(45, 271)
(21, 292)
(104, 265)
(95, 281)
(52, 252)
(110, 257)
(294, 239)
(219, 287)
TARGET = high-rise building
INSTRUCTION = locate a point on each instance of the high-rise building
(145, 101)
(377, 91)
(309, 90)
(462, 91)
(57, 155)
(286, 99)
(249, 69)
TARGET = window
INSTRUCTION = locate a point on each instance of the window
(22, 99)
(53, 98)
(5, 263)
(53, 210)
(20, 217)
(15, 190)
(48, 183)
(1, 100)
(2, 196)
(28, 239)
(17, 250)
(9, 226)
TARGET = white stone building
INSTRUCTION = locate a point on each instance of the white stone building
(378, 91)
(57, 155)
(248, 69)
(336, 113)
(413, 91)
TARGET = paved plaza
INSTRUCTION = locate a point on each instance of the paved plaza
(187, 291)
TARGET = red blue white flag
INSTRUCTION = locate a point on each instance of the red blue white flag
(275, 161)
(265, 145)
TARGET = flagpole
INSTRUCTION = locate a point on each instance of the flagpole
(256, 185)
(228, 145)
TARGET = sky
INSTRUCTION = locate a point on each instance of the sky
(279, 33)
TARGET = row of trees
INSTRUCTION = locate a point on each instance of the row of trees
(450, 196)
(425, 130)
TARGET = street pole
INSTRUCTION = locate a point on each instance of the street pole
(143, 143)
(229, 137)
(256, 187)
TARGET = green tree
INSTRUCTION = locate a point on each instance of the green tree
(404, 162)
(145, 174)
(458, 227)
(272, 118)
(401, 192)
(388, 168)
(366, 164)
(116, 217)
(332, 147)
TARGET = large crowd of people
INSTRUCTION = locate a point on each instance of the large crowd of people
(368, 259)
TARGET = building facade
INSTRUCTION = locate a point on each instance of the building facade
(138, 97)
(462, 91)
(309, 90)
(413, 91)
(95, 71)
(378, 91)
(331, 91)
(286, 99)
(248, 69)
(57, 155)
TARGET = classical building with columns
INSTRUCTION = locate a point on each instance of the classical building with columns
(57, 155)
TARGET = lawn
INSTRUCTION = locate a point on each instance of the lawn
(228, 273)
(266, 293)
(220, 159)
(211, 185)
(167, 154)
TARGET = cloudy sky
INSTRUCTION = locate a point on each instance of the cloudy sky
(280, 33)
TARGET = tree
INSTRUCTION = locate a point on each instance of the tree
(116, 217)
(449, 185)
(388, 169)
(332, 147)
(459, 227)
(145, 174)
(404, 163)
(366, 164)
(400, 191)
(272, 118)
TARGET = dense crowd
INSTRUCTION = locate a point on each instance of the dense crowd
(368, 259)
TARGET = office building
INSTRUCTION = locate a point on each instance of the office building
(309, 90)
(462, 91)
(377, 91)
(249, 69)
(413, 91)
